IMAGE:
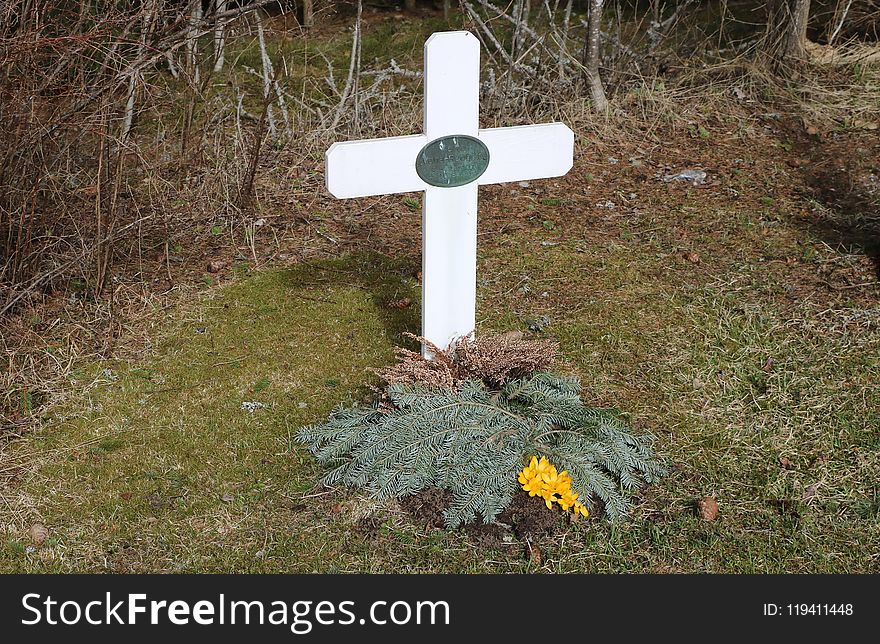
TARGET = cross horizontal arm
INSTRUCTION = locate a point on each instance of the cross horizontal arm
(527, 152)
(374, 167)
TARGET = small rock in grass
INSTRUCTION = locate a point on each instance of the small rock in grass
(810, 492)
(695, 177)
(708, 507)
(538, 324)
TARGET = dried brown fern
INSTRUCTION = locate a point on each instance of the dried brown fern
(492, 358)
(496, 358)
(412, 368)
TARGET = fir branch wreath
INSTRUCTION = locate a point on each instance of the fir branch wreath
(470, 420)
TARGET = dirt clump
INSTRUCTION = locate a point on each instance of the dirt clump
(524, 518)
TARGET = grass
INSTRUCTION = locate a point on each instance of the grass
(160, 468)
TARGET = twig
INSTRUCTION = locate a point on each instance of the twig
(354, 60)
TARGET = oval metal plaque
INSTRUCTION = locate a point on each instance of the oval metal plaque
(452, 161)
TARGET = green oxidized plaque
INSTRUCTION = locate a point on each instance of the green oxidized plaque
(452, 161)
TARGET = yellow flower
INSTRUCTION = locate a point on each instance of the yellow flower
(550, 477)
(541, 478)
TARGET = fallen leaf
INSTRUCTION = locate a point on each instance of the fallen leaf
(534, 554)
(865, 125)
(38, 534)
(820, 459)
(708, 508)
(400, 304)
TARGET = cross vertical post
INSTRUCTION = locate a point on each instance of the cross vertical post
(449, 215)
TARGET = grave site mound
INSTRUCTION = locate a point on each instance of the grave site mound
(461, 437)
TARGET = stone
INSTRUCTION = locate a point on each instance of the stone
(696, 177)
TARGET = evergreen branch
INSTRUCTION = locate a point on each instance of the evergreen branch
(473, 440)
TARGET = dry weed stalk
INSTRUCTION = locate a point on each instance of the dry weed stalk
(492, 358)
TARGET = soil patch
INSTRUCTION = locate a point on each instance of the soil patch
(525, 518)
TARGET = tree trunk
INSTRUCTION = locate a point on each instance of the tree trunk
(192, 42)
(591, 57)
(268, 72)
(220, 39)
(151, 13)
(787, 29)
(308, 14)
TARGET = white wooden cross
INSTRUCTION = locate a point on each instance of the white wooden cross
(449, 214)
